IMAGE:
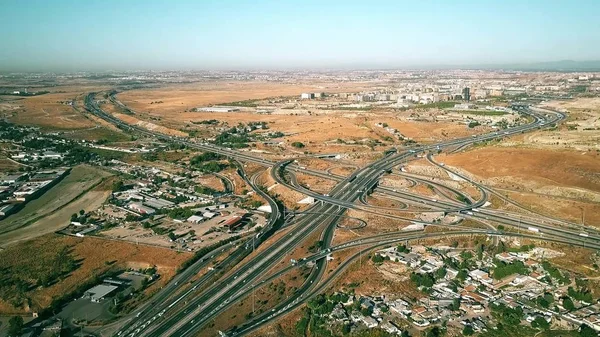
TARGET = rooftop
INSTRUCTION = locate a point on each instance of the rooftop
(100, 290)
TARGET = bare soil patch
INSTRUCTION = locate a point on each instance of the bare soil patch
(539, 167)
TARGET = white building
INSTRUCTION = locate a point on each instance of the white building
(97, 293)
(209, 215)
(218, 109)
(195, 219)
(141, 209)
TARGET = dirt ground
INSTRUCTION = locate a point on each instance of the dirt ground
(53, 209)
(322, 131)
(212, 182)
(49, 112)
(533, 167)
(568, 209)
(149, 125)
(96, 256)
(179, 97)
(375, 225)
(380, 280)
(580, 131)
(264, 299)
(7, 165)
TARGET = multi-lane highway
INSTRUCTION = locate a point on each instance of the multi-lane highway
(190, 310)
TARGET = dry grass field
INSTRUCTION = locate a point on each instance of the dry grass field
(48, 112)
(34, 258)
(314, 128)
(564, 208)
(7, 165)
(580, 131)
(560, 183)
(381, 280)
(317, 129)
(51, 113)
(537, 168)
(178, 98)
(53, 209)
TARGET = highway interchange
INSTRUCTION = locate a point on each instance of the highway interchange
(183, 308)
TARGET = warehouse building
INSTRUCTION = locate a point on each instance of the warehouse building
(99, 292)
(233, 222)
(218, 109)
(141, 209)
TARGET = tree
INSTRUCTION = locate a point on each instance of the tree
(540, 323)
(434, 332)
(81, 212)
(568, 303)
(346, 329)
(501, 248)
(377, 258)
(586, 331)
(298, 145)
(15, 326)
(440, 273)
(117, 186)
(455, 304)
(468, 330)
(367, 311)
(172, 236)
(541, 301)
(480, 249)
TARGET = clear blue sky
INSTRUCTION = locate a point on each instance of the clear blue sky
(228, 34)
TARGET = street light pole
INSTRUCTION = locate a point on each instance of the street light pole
(360, 256)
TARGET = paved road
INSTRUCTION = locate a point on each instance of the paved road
(214, 300)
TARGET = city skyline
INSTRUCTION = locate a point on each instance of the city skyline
(72, 36)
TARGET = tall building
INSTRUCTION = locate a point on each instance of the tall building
(466, 94)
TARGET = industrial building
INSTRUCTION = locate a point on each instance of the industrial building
(141, 209)
(99, 292)
(208, 215)
(195, 219)
(233, 222)
(11, 179)
(218, 109)
(158, 203)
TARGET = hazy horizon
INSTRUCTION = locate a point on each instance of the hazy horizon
(235, 35)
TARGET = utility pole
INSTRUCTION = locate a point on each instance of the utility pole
(519, 231)
(360, 256)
